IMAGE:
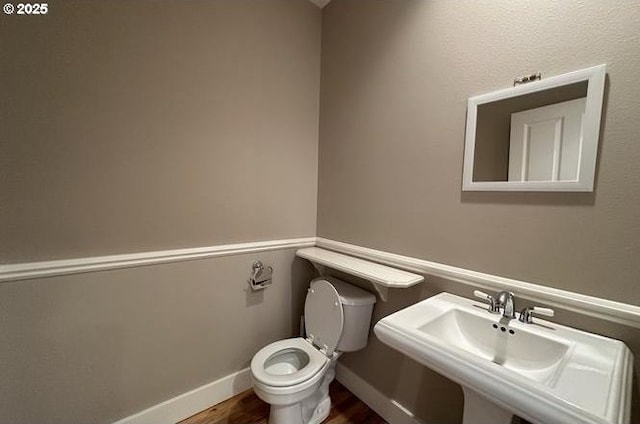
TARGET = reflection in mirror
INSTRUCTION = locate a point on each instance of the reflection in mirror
(517, 138)
(538, 137)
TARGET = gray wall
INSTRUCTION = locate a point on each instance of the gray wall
(396, 76)
(395, 79)
(96, 347)
(148, 125)
(144, 125)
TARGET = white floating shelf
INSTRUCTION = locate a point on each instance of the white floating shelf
(381, 276)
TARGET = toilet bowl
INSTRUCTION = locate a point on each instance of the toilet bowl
(293, 375)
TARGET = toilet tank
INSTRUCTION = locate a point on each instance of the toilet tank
(357, 307)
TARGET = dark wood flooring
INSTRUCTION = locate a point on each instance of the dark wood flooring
(247, 408)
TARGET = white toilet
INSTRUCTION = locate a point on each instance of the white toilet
(293, 375)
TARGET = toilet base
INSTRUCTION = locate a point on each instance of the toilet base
(312, 410)
(285, 414)
(321, 412)
(292, 414)
(317, 406)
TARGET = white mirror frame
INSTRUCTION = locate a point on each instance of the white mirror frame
(595, 77)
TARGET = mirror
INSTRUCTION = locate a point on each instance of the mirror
(539, 136)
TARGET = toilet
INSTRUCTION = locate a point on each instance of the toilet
(293, 375)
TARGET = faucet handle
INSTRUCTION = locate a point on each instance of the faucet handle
(527, 313)
(548, 312)
(493, 305)
(481, 294)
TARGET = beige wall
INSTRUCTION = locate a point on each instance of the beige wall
(395, 79)
(130, 126)
(145, 125)
(96, 347)
(396, 76)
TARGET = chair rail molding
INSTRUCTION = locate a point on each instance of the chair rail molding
(618, 312)
(30, 270)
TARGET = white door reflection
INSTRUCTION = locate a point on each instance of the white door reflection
(546, 142)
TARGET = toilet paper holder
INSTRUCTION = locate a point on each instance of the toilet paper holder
(260, 276)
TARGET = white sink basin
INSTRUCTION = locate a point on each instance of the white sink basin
(543, 372)
(536, 357)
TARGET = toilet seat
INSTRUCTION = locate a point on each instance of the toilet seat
(324, 316)
(317, 362)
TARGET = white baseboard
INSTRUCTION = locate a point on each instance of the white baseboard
(185, 405)
(389, 409)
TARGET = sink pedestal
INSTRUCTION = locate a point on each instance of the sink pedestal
(478, 410)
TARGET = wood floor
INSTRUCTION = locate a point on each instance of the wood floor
(247, 408)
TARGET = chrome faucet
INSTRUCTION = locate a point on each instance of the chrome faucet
(505, 301)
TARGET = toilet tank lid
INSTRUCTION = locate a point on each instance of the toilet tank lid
(350, 295)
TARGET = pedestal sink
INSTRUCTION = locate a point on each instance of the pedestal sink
(543, 372)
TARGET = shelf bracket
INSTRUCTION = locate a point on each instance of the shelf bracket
(321, 268)
(383, 291)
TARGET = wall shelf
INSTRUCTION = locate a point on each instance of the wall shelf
(381, 276)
